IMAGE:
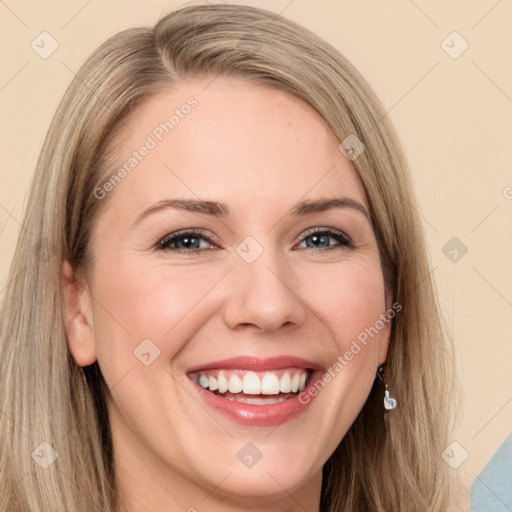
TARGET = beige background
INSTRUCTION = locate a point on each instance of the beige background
(453, 116)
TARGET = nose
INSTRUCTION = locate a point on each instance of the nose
(262, 296)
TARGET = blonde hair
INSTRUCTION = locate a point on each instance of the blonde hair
(385, 462)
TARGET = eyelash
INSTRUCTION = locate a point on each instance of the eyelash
(164, 244)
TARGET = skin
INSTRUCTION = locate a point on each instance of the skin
(259, 151)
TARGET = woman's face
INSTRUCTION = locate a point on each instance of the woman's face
(218, 288)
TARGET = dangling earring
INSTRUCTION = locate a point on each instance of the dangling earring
(389, 402)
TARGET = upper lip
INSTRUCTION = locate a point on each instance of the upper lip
(255, 363)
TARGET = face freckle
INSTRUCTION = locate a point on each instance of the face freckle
(290, 290)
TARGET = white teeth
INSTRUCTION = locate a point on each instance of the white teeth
(223, 384)
(235, 384)
(302, 381)
(270, 384)
(203, 381)
(252, 384)
(285, 383)
(295, 383)
(213, 384)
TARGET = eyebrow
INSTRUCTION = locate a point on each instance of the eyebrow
(221, 210)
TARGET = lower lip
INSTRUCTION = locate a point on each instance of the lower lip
(269, 415)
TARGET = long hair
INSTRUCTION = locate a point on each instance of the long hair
(56, 451)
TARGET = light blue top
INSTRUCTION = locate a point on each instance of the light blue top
(491, 491)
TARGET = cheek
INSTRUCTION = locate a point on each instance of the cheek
(349, 299)
(135, 305)
(349, 302)
(354, 303)
(158, 299)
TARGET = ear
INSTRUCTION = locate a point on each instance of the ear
(386, 331)
(78, 317)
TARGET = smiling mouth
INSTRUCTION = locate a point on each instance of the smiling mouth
(252, 387)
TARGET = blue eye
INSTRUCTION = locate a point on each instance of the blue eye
(194, 241)
(320, 237)
(184, 241)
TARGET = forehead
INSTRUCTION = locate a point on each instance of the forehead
(228, 139)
